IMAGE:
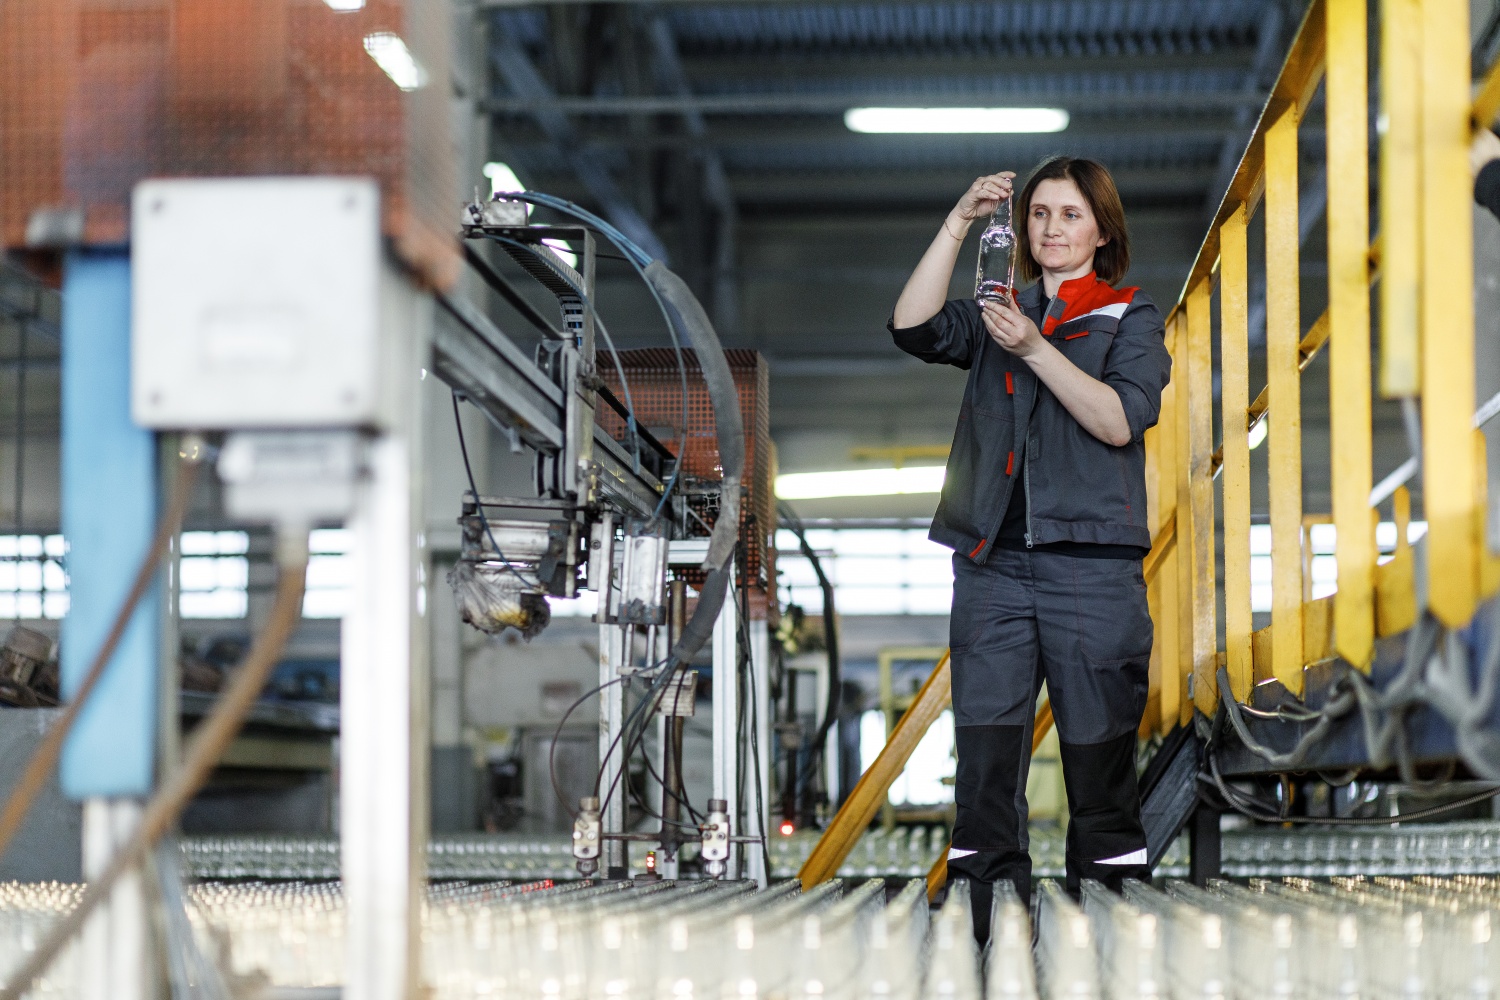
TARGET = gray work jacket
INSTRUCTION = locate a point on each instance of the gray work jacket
(1077, 487)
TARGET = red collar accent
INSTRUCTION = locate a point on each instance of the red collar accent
(1080, 296)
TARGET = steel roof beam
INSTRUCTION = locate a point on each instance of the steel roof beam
(928, 62)
(823, 134)
(715, 182)
(1131, 100)
(523, 79)
(1270, 48)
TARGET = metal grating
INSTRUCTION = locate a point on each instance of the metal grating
(97, 94)
(656, 390)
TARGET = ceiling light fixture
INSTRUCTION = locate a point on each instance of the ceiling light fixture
(502, 178)
(391, 55)
(860, 483)
(955, 120)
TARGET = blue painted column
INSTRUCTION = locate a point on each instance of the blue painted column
(109, 501)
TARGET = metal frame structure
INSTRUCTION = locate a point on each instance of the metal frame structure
(1426, 359)
(595, 490)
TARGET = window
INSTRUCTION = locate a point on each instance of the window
(582, 606)
(215, 574)
(328, 574)
(874, 571)
(921, 783)
(33, 583)
(1323, 566)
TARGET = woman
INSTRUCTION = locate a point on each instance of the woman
(1045, 507)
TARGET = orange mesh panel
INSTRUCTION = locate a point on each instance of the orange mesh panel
(656, 391)
(98, 94)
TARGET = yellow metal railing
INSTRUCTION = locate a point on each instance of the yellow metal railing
(1423, 261)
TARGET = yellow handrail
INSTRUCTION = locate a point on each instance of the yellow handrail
(1424, 261)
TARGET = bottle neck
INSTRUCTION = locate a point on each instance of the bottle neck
(1001, 216)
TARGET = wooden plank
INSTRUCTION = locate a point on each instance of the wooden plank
(875, 784)
(1349, 327)
(1447, 316)
(1234, 353)
(1203, 596)
(1283, 248)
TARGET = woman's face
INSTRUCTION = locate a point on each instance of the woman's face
(1062, 229)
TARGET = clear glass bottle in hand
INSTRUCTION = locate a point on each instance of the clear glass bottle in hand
(996, 276)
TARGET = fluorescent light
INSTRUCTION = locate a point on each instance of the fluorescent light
(954, 120)
(345, 4)
(860, 483)
(391, 55)
(563, 250)
(502, 178)
(1258, 433)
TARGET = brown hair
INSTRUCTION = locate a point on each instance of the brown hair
(1112, 260)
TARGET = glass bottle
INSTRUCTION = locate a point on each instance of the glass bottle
(996, 275)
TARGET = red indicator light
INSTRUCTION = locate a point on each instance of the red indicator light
(650, 862)
(787, 828)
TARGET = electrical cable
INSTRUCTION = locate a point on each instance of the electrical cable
(46, 755)
(819, 747)
(1247, 806)
(654, 695)
(641, 261)
(463, 449)
(557, 734)
(609, 343)
(760, 785)
(204, 749)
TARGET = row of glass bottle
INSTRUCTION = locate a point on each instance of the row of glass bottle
(1386, 938)
(1461, 848)
(1424, 938)
(673, 941)
(472, 857)
(27, 911)
(911, 851)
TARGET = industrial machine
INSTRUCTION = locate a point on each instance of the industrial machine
(618, 512)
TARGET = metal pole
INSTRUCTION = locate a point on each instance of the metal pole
(612, 652)
(383, 744)
(760, 658)
(725, 718)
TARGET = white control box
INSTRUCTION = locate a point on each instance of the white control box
(256, 303)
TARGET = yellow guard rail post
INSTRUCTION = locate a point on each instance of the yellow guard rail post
(1426, 355)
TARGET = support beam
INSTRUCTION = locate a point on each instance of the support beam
(1349, 329)
(715, 182)
(1269, 48)
(515, 67)
(793, 102)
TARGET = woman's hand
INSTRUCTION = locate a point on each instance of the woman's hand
(984, 196)
(927, 288)
(1011, 328)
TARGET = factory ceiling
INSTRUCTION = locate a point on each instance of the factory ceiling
(718, 129)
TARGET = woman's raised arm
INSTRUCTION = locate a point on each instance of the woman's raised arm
(927, 288)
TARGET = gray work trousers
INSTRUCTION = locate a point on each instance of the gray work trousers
(1081, 624)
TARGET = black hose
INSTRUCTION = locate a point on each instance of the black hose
(687, 315)
(830, 640)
